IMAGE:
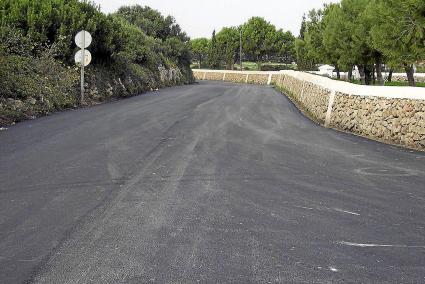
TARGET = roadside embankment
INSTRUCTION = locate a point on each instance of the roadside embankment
(394, 115)
(34, 87)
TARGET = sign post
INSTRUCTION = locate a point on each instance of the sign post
(83, 57)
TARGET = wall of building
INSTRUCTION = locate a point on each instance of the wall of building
(391, 114)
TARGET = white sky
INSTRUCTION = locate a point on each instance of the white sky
(198, 18)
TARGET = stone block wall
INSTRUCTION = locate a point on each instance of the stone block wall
(401, 121)
(393, 115)
(214, 76)
(251, 77)
(275, 78)
(236, 77)
(198, 75)
(260, 79)
(397, 77)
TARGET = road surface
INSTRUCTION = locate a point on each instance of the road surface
(208, 183)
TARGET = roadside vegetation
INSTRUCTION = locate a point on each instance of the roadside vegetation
(264, 47)
(369, 34)
(134, 50)
(372, 35)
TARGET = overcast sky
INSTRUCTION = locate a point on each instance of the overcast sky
(200, 17)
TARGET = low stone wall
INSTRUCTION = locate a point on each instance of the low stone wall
(401, 121)
(391, 114)
(250, 77)
(400, 77)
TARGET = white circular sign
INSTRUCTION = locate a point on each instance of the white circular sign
(83, 39)
(79, 56)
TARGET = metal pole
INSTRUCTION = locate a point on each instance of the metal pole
(240, 51)
(82, 69)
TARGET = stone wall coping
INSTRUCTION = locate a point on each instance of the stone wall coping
(359, 90)
(237, 72)
(340, 86)
(417, 75)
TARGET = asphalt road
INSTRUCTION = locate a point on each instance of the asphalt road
(209, 183)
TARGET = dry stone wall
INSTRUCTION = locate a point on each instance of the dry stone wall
(236, 77)
(401, 121)
(214, 76)
(398, 77)
(391, 114)
(260, 79)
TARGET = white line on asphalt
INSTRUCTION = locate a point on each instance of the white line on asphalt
(331, 209)
(308, 208)
(377, 245)
(345, 211)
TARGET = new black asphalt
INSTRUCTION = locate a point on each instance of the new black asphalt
(208, 183)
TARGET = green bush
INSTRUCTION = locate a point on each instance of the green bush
(35, 86)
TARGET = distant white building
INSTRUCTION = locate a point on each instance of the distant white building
(326, 70)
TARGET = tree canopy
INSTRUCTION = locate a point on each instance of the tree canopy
(261, 42)
(366, 34)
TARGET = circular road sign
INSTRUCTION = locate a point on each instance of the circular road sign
(83, 39)
(79, 56)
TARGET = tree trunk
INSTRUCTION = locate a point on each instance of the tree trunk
(390, 75)
(200, 62)
(258, 63)
(379, 76)
(350, 74)
(368, 74)
(410, 74)
(362, 74)
(338, 73)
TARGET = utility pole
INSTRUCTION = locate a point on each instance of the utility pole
(240, 51)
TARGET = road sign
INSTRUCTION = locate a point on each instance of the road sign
(83, 39)
(83, 57)
(79, 57)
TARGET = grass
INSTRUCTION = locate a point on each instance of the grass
(394, 84)
(419, 69)
(388, 84)
(248, 66)
(404, 84)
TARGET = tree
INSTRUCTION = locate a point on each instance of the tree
(313, 37)
(152, 22)
(285, 46)
(199, 48)
(304, 62)
(303, 28)
(57, 21)
(337, 38)
(228, 44)
(214, 56)
(259, 37)
(399, 32)
(340, 35)
(166, 38)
